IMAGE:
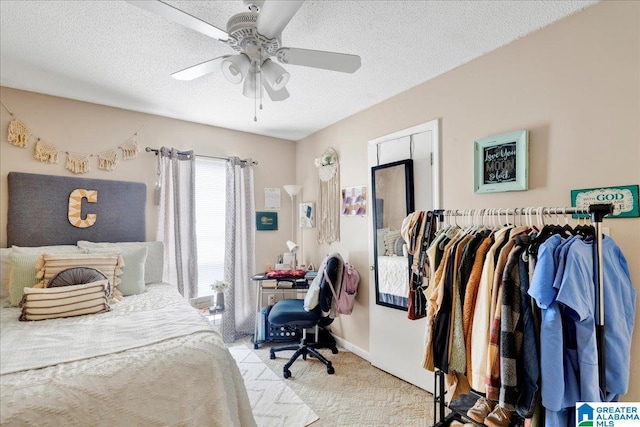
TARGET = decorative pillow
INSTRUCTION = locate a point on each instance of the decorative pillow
(153, 266)
(23, 269)
(5, 264)
(22, 273)
(380, 240)
(389, 241)
(76, 276)
(109, 264)
(133, 269)
(397, 246)
(48, 249)
(67, 301)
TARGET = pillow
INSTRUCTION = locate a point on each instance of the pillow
(22, 273)
(133, 268)
(153, 266)
(67, 301)
(51, 264)
(389, 241)
(76, 276)
(22, 270)
(397, 246)
(48, 249)
(380, 240)
(5, 264)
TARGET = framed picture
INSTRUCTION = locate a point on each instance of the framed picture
(501, 163)
(266, 221)
(307, 215)
(354, 201)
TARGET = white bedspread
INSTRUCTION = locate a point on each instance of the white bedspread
(393, 275)
(166, 367)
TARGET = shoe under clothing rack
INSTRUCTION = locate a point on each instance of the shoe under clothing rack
(597, 212)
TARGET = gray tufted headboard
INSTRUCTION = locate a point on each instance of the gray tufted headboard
(40, 211)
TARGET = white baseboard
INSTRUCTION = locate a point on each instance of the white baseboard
(353, 348)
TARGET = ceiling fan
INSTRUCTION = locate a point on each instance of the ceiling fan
(256, 37)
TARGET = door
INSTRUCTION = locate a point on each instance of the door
(397, 343)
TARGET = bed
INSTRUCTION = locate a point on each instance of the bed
(151, 359)
(393, 280)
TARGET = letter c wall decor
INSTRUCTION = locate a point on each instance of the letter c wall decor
(75, 207)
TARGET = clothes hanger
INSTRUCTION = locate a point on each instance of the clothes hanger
(567, 229)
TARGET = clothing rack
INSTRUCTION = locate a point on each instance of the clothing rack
(156, 151)
(596, 212)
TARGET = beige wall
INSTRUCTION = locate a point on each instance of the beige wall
(574, 85)
(90, 128)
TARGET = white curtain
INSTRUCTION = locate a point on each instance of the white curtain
(239, 317)
(177, 219)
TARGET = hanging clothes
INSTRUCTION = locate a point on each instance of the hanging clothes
(511, 314)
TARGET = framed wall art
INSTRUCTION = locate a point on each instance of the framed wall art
(501, 163)
(266, 221)
(307, 215)
(354, 201)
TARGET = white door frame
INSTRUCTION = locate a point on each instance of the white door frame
(396, 344)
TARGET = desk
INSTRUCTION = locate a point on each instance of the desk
(274, 285)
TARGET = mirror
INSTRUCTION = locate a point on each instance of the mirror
(392, 199)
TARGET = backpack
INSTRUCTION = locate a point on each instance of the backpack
(348, 289)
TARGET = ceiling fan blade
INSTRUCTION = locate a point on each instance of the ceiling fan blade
(199, 70)
(176, 15)
(333, 61)
(275, 95)
(275, 15)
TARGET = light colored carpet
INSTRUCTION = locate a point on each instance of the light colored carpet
(358, 394)
(272, 401)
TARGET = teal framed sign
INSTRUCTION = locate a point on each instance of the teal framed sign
(501, 162)
(266, 221)
(624, 199)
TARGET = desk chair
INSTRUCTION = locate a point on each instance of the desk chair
(291, 313)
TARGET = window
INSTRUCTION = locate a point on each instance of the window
(210, 221)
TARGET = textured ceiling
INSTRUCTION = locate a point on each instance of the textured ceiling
(113, 53)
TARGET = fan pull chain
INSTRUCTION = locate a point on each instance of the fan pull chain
(260, 79)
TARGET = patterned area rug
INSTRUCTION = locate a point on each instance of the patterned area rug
(358, 394)
(272, 401)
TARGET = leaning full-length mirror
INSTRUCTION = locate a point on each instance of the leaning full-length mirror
(392, 198)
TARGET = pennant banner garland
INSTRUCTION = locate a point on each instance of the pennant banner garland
(18, 134)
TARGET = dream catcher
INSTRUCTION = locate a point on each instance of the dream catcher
(328, 217)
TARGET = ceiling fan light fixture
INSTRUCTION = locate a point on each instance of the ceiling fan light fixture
(276, 76)
(235, 68)
(252, 88)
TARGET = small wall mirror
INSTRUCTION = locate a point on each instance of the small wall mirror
(392, 194)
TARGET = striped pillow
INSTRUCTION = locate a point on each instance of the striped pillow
(108, 264)
(66, 301)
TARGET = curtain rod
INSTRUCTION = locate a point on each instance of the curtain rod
(156, 151)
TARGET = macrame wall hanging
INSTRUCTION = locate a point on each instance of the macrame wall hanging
(18, 134)
(328, 214)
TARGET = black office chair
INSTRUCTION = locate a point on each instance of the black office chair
(291, 313)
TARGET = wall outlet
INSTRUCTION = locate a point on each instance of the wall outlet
(272, 299)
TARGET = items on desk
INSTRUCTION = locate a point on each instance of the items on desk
(289, 259)
(289, 274)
